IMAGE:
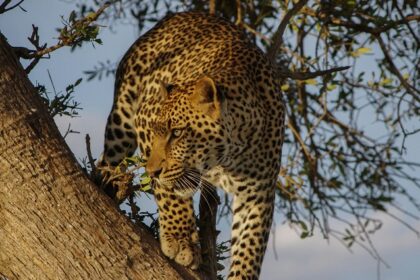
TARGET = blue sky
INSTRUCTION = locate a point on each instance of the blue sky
(312, 258)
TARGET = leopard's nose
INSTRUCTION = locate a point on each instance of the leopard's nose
(154, 173)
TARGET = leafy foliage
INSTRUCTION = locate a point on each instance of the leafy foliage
(104, 69)
(222, 253)
(74, 33)
(60, 103)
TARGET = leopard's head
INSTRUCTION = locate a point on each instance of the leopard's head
(189, 136)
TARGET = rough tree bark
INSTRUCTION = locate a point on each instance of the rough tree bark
(54, 223)
(209, 201)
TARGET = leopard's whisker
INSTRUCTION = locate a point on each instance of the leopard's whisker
(184, 183)
(205, 186)
(208, 204)
(193, 180)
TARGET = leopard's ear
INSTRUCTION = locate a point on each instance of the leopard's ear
(164, 90)
(206, 97)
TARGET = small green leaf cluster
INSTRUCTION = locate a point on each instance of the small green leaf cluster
(76, 31)
(61, 103)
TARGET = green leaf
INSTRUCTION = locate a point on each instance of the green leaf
(146, 188)
(91, 15)
(386, 81)
(78, 81)
(331, 87)
(146, 180)
(72, 16)
(361, 51)
(311, 82)
(304, 234)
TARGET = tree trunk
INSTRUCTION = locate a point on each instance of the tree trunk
(209, 201)
(55, 223)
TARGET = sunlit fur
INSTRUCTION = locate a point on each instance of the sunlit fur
(204, 106)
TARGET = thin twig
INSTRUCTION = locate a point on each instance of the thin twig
(400, 122)
(90, 157)
(43, 50)
(323, 115)
(3, 6)
(29, 54)
(361, 27)
(238, 13)
(256, 33)
(300, 141)
(69, 130)
(209, 202)
(407, 23)
(31, 65)
(412, 90)
(212, 7)
(278, 35)
(377, 30)
(309, 75)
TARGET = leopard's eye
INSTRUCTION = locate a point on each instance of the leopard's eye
(176, 132)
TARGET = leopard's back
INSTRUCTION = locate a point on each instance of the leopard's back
(189, 50)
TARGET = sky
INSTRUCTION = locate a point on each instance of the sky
(288, 256)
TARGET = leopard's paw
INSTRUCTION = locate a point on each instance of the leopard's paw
(169, 246)
(182, 250)
(189, 254)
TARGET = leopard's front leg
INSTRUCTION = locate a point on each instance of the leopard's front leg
(178, 231)
(252, 218)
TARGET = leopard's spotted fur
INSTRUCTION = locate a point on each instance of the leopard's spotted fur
(202, 103)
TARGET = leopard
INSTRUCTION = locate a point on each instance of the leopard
(204, 106)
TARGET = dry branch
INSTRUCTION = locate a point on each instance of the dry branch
(212, 7)
(309, 75)
(277, 40)
(42, 50)
(415, 93)
(4, 8)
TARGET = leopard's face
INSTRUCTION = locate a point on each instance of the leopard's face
(188, 137)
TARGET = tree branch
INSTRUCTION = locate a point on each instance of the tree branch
(209, 201)
(302, 144)
(360, 27)
(278, 35)
(411, 89)
(212, 7)
(309, 75)
(408, 24)
(70, 38)
(3, 6)
(94, 172)
(238, 13)
(376, 30)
